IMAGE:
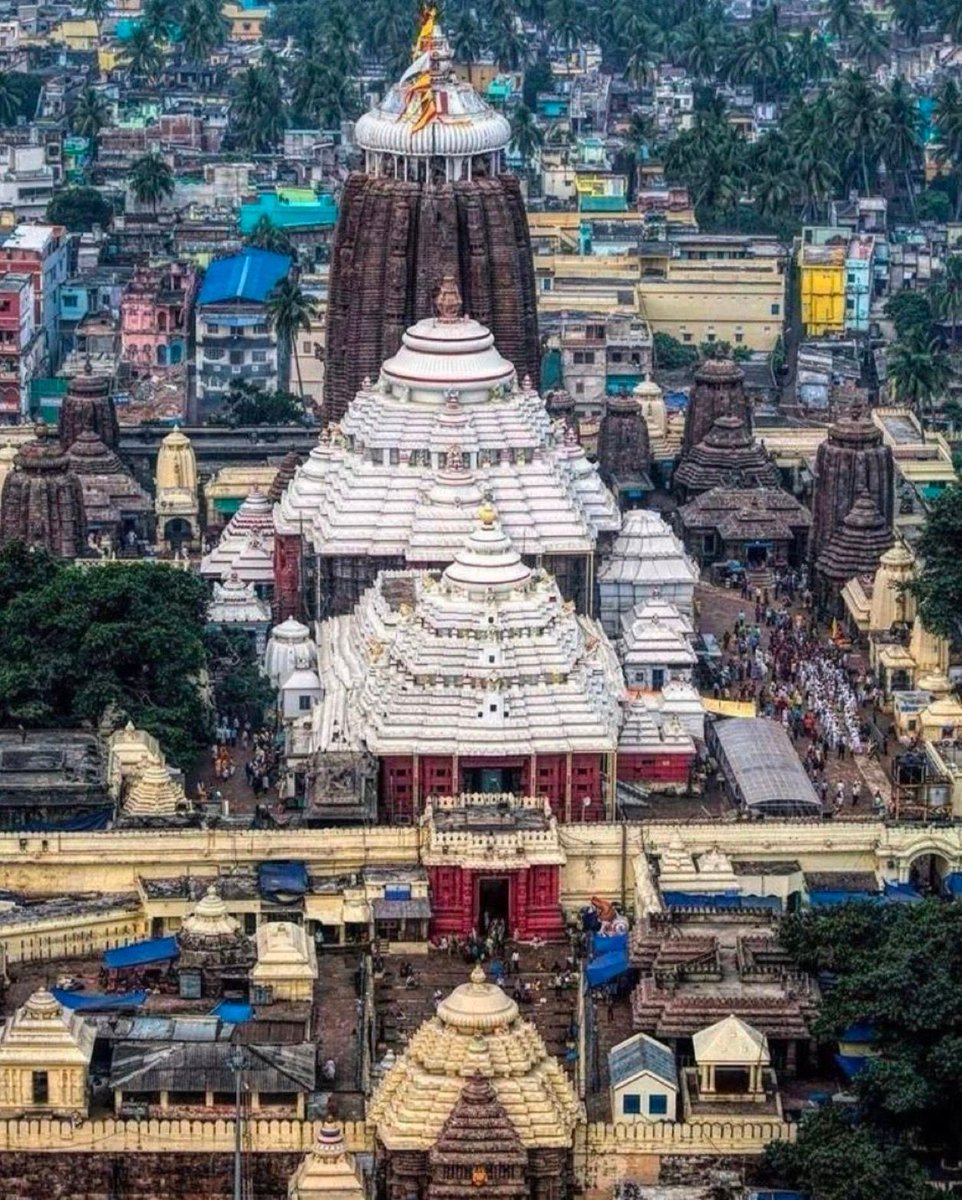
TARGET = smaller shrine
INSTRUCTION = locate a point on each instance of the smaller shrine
(624, 454)
(246, 546)
(656, 645)
(328, 1172)
(732, 1062)
(855, 548)
(286, 967)
(289, 646)
(175, 480)
(88, 408)
(216, 957)
(236, 605)
(153, 795)
(727, 456)
(758, 527)
(45, 1053)
(116, 506)
(42, 502)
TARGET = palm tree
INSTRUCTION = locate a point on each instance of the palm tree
(466, 38)
(157, 16)
(319, 94)
(810, 58)
(143, 57)
(507, 44)
(699, 45)
(527, 136)
(257, 111)
(91, 113)
(96, 10)
(951, 19)
(945, 294)
(151, 180)
(9, 98)
(565, 23)
(202, 30)
(868, 44)
(858, 119)
(919, 372)
(912, 16)
(948, 122)
(903, 143)
(843, 16)
(267, 236)
(289, 310)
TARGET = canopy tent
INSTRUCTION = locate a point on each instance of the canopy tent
(606, 967)
(609, 943)
(98, 1001)
(234, 1012)
(282, 882)
(141, 954)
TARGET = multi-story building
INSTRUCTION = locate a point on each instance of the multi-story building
(306, 217)
(821, 270)
(601, 356)
(41, 252)
(19, 346)
(703, 287)
(155, 316)
(27, 179)
(96, 291)
(234, 340)
(860, 260)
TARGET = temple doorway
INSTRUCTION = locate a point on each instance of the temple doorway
(178, 533)
(927, 872)
(493, 902)
(492, 780)
(757, 553)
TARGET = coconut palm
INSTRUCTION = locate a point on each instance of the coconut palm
(527, 136)
(918, 372)
(868, 44)
(96, 10)
(948, 124)
(91, 113)
(151, 180)
(257, 111)
(9, 98)
(699, 45)
(945, 294)
(810, 58)
(290, 310)
(843, 16)
(203, 30)
(143, 58)
(903, 141)
(950, 19)
(911, 17)
(859, 120)
(466, 37)
(507, 44)
(566, 24)
(266, 236)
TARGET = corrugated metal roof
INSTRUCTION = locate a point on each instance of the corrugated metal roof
(251, 275)
(205, 1066)
(761, 766)
(641, 1053)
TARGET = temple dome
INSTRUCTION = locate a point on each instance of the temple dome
(288, 647)
(488, 562)
(210, 918)
(154, 794)
(477, 1032)
(462, 126)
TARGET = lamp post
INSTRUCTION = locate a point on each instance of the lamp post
(237, 1062)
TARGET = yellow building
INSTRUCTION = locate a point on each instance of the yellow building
(245, 24)
(714, 288)
(821, 271)
(80, 34)
(175, 480)
(286, 961)
(45, 1053)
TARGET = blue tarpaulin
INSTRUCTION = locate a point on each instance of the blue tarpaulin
(720, 900)
(87, 822)
(831, 899)
(902, 893)
(141, 954)
(235, 1012)
(606, 967)
(860, 1034)
(249, 276)
(282, 880)
(98, 1001)
(851, 1064)
(608, 943)
(952, 883)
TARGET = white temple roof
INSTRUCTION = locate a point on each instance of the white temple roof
(647, 550)
(487, 659)
(656, 634)
(247, 540)
(237, 603)
(289, 646)
(402, 473)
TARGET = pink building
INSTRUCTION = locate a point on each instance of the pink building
(20, 345)
(154, 316)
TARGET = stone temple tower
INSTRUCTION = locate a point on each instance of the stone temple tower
(851, 460)
(432, 201)
(88, 406)
(719, 391)
(42, 502)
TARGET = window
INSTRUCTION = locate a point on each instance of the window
(259, 356)
(213, 328)
(585, 357)
(739, 338)
(658, 1105)
(579, 389)
(68, 302)
(304, 703)
(259, 328)
(776, 309)
(686, 337)
(41, 1088)
(631, 1105)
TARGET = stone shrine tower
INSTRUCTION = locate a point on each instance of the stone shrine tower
(719, 391)
(624, 454)
(852, 460)
(88, 406)
(175, 480)
(42, 502)
(432, 201)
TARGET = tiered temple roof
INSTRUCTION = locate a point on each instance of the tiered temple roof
(237, 603)
(727, 456)
(42, 501)
(400, 476)
(154, 794)
(738, 514)
(289, 647)
(487, 658)
(246, 546)
(110, 493)
(656, 635)
(478, 1147)
(477, 1030)
(857, 545)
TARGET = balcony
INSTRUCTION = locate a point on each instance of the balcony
(224, 372)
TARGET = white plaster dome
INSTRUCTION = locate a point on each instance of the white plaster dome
(289, 647)
(443, 354)
(488, 562)
(477, 1005)
(210, 918)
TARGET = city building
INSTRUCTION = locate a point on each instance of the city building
(40, 251)
(45, 1053)
(821, 268)
(21, 346)
(234, 339)
(155, 317)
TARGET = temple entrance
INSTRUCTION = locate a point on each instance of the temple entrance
(493, 902)
(492, 780)
(178, 533)
(927, 872)
(757, 553)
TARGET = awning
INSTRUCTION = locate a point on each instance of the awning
(720, 900)
(400, 910)
(282, 882)
(952, 883)
(328, 909)
(852, 1064)
(141, 954)
(234, 1012)
(356, 912)
(98, 1001)
(606, 967)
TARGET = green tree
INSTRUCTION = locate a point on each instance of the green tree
(234, 669)
(945, 294)
(289, 311)
(670, 354)
(96, 10)
(247, 404)
(79, 209)
(143, 58)
(843, 16)
(151, 180)
(948, 124)
(566, 23)
(902, 136)
(203, 29)
(466, 37)
(527, 136)
(938, 580)
(90, 115)
(267, 236)
(859, 120)
(538, 79)
(9, 98)
(911, 314)
(507, 44)
(950, 19)
(257, 111)
(810, 58)
(911, 17)
(868, 43)
(919, 372)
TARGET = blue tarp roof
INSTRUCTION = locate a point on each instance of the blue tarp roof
(250, 275)
(609, 943)
(139, 954)
(720, 900)
(282, 879)
(830, 899)
(98, 818)
(606, 967)
(98, 1001)
(235, 1012)
(902, 893)
(859, 1033)
(852, 1064)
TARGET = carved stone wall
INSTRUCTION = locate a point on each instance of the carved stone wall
(852, 460)
(624, 453)
(42, 502)
(719, 390)
(394, 242)
(88, 406)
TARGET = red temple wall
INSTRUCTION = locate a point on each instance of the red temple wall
(534, 906)
(654, 768)
(587, 801)
(287, 576)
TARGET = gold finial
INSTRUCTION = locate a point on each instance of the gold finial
(447, 301)
(487, 514)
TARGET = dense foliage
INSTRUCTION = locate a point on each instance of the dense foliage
(81, 641)
(79, 209)
(248, 404)
(238, 684)
(938, 581)
(897, 969)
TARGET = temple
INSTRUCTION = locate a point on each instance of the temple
(396, 482)
(726, 456)
(432, 201)
(852, 460)
(718, 391)
(42, 502)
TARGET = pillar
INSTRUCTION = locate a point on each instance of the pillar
(567, 798)
(467, 901)
(518, 907)
(208, 1099)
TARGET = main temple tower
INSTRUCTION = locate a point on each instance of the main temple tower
(432, 201)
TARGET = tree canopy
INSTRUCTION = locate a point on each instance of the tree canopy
(938, 582)
(79, 209)
(248, 404)
(79, 640)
